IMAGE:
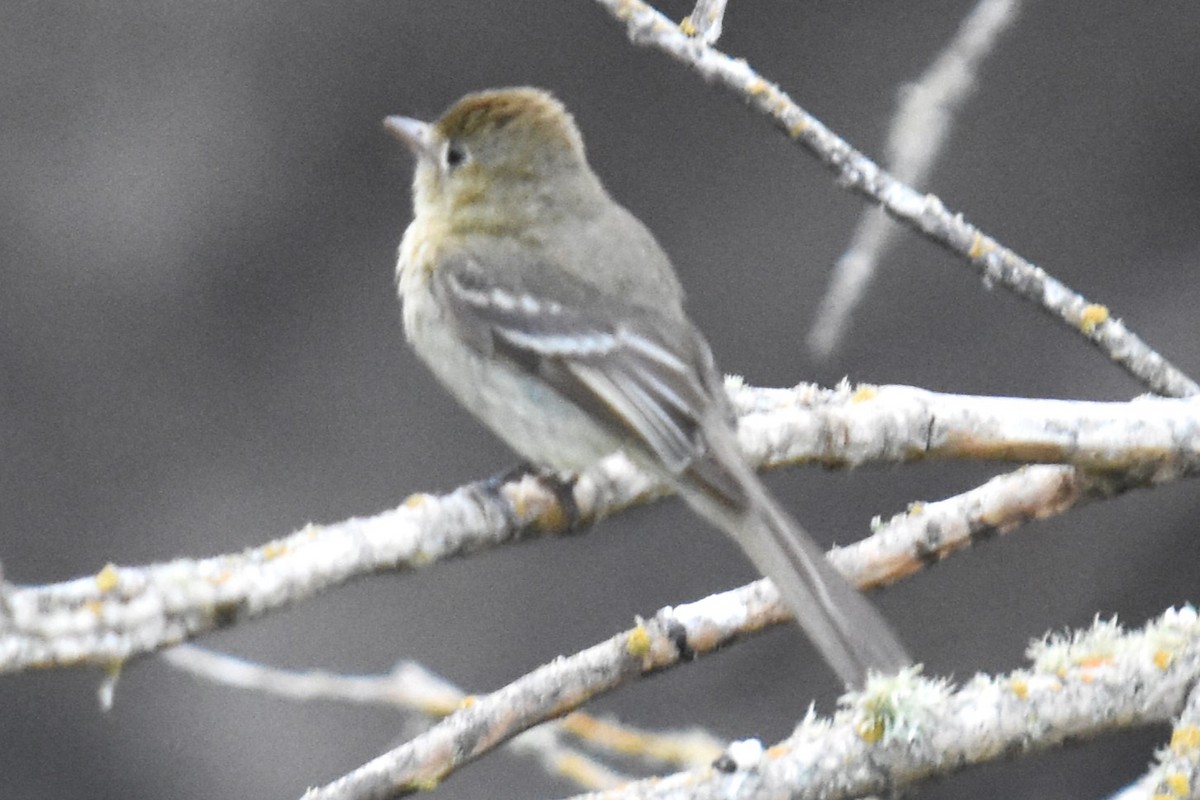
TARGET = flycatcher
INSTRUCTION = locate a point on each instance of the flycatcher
(556, 318)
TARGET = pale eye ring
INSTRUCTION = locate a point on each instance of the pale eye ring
(454, 155)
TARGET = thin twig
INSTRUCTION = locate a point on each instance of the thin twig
(899, 730)
(918, 133)
(412, 687)
(674, 634)
(409, 686)
(923, 213)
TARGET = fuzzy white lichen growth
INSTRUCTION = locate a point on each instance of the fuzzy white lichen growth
(896, 708)
(1106, 641)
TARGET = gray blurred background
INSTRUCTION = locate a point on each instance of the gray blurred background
(200, 349)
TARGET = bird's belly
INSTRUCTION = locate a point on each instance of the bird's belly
(527, 414)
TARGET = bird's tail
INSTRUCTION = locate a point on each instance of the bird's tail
(849, 632)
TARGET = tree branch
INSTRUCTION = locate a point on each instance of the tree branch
(121, 612)
(412, 687)
(925, 214)
(1176, 772)
(674, 634)
(898, 731)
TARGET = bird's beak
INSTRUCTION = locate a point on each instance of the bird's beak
(416, 135)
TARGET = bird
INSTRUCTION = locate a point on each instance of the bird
(555, 317)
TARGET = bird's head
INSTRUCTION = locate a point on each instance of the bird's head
(498, 158)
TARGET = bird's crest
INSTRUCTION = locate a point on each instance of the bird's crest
(534, 110)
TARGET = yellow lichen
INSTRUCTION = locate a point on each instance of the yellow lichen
(1096, 661)
(552, 518)
(777, 751)
(638, 642)
(107, 578)
(426, 784)
(1020, 688)
(520, 503)
(864, 393)
(273, 550)
(1092, 316)
(1178, 785)
(871, 729)
(1162, 659)
(1185, 738)
(979, 246)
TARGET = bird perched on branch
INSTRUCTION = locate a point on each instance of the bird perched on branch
(555, 317)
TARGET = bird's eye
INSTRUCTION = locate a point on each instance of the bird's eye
(455, 155)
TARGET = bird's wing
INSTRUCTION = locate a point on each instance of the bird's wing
(643, 374)
(649, 377)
